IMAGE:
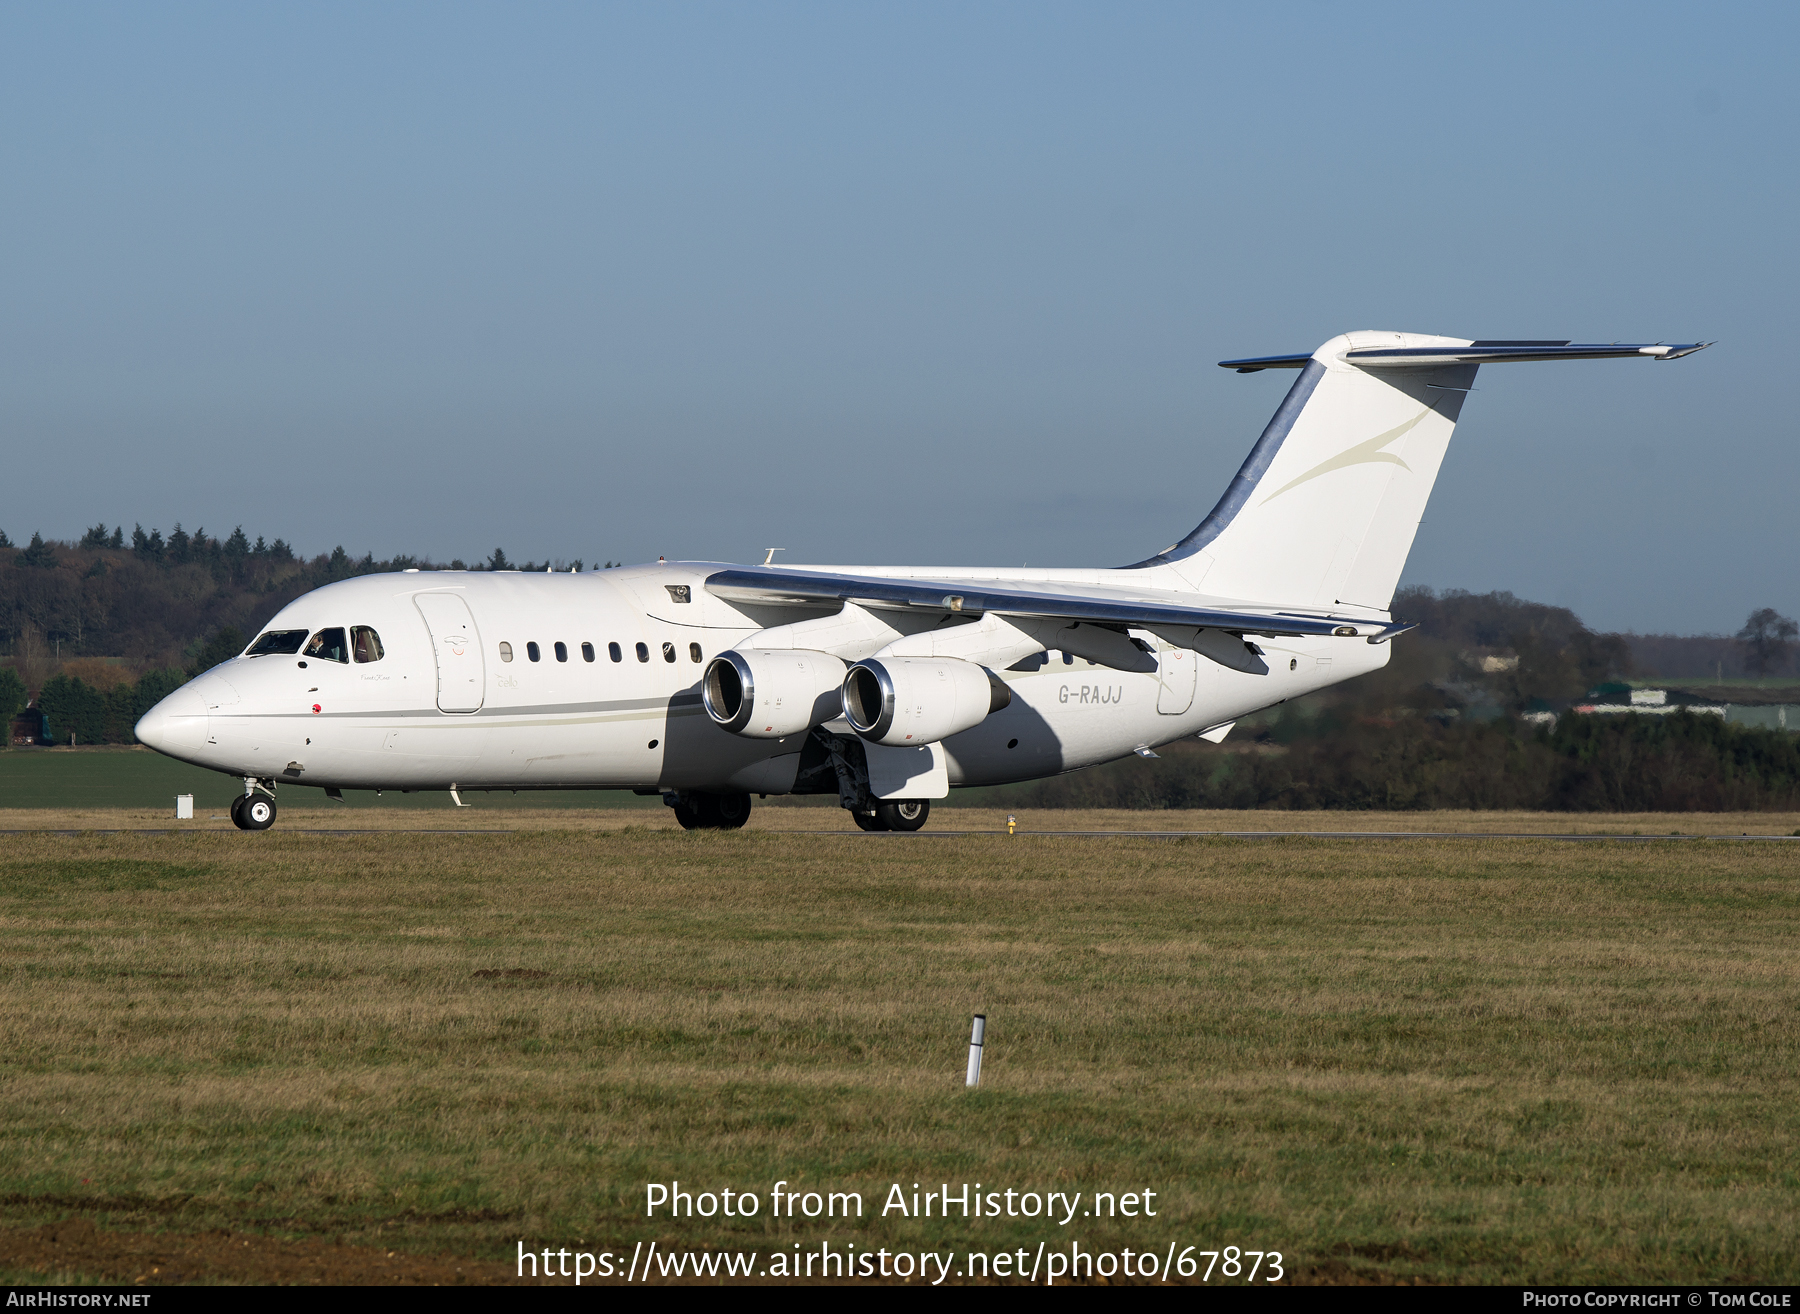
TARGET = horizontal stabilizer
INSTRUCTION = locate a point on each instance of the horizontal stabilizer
(1493, 353)
(1252, 364)
(1479, 352)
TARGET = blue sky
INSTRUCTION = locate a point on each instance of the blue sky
(931, 284)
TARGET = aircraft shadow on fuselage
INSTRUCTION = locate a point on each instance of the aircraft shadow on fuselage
(699, 755)
(1016, 743)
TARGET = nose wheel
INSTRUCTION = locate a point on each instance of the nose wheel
(253, 812)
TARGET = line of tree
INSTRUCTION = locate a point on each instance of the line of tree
(1443, 726)
(104, 707)
(12, 701)
(1494, 649)
(1685, 762)
(1763, 647)
(76, 712)
(157, 600)
(1768, 641)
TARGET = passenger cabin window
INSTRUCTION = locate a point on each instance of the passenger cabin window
(505, 652)
(612, 650)
(329, 645)
(365, 644)
(562, 651)
(694, 651)
(531, 651)
(668, 652)
(277, 643)
(643, 653)
(587, 652)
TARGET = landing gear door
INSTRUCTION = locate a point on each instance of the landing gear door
(461, 671)
(1178, 666)
(922, 772)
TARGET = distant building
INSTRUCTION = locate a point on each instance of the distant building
(1489, 661)
(1766, 716)
(31, 726)
(1767, 707)
(1614, 699)
(1650, 709)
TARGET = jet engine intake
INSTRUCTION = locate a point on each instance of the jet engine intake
(908, 701)
(769, 694)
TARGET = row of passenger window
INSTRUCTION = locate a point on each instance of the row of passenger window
(534, 653)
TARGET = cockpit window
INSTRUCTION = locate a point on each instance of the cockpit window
(277, 643)
(329, 645)
(365, 644)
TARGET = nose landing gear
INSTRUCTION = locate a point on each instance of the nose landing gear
(251, 810)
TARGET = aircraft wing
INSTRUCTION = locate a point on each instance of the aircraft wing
(790, 587)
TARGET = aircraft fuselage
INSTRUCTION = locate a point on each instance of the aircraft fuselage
(592, 681)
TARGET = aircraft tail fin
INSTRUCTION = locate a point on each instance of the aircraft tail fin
(1325, 508)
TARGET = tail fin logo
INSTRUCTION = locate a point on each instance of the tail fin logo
(1368, 453)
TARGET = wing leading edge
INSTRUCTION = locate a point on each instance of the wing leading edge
(791, 587)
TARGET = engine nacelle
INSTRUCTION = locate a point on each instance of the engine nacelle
(770, 693)
(908, 701)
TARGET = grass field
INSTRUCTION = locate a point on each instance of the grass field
(395, 1056)
(135, 777)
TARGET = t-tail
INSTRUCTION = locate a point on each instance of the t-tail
(1325, 507)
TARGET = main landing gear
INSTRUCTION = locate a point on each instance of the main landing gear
(900, 814)
(710, 811)
(827, 756)
(251, 810)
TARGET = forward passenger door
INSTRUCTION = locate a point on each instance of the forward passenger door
(456, 645)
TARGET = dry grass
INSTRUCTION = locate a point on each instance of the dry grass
(1462, 1060)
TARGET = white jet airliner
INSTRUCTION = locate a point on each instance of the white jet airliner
(887, 686)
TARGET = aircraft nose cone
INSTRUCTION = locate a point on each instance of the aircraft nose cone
(176, 725)
(214, 690)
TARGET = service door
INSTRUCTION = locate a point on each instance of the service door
(1178, 667)
(461, 673)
